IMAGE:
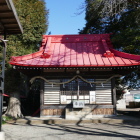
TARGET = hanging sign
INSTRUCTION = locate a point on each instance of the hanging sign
(63, 99)
(78, 104)
(92, 97)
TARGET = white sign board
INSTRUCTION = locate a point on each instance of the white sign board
(63, 99)
(78, 104)
(92, 97)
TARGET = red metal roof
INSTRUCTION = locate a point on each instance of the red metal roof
(76, 51)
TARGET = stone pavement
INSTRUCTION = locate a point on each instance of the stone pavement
(120, 127)
(99, 131)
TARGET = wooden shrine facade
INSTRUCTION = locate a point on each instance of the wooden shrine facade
(56, 98)
(78, 74)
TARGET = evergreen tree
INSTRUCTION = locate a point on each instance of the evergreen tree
(33, 17)
(120, 17)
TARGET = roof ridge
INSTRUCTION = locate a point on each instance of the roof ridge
(46, 52)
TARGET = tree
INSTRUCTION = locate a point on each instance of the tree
(34, 19)
(120, 17)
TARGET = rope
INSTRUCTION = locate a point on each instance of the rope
(77, 76)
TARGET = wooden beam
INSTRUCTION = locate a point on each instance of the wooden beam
(1, 25)
(5, 11)
(7, 18)
(113, 88)
(10, 23)
(3, 4)
(71, 106)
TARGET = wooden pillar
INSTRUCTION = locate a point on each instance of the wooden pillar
(113, 89)
(41, 96)
(2, 76)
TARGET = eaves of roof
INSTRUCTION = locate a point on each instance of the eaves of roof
(9, 21)
(76, 51)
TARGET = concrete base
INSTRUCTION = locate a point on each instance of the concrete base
(82, 114)
(72, 113)
(121, 104)
(2, 136)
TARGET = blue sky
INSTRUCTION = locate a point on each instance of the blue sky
(63, 18)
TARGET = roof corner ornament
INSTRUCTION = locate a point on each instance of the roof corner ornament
(107, 53)
(45, 55)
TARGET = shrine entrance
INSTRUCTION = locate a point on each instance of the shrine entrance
(77, 90)
(63, 93)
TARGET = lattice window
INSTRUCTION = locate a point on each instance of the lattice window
(72, 87)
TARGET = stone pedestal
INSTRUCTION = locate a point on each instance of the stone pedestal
(121, 104)
(77, 113)
(2, 136)
(87, 112)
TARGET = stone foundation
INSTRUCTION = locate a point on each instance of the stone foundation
(87, 113)
(73, 113)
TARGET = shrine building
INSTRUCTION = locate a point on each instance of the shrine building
(78, 74)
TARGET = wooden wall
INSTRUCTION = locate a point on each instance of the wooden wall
(103, 92)
(53, 97)
(51, 93)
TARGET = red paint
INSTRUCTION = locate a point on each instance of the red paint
(76, 51)
(47, 53)
(107, 51)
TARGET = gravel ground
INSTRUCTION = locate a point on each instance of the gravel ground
(72, 132)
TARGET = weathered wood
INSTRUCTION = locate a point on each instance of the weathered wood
(70, 106)
(53, 112)
(94, 111)
(103, 111)
(60, 112)
(103, 92)
(52, 92)
(41, 93)
(114, 95)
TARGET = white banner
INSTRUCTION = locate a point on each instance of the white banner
(92, 97)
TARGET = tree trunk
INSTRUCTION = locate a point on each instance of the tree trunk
(14, 106)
